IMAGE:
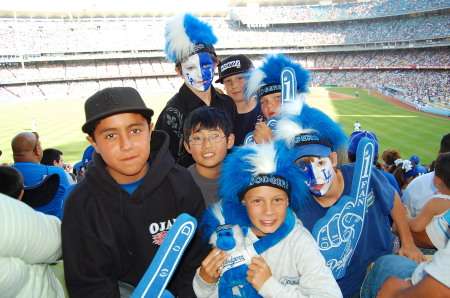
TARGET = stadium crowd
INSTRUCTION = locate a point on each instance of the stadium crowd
(333, 12)
(97, 35)
(156, 75)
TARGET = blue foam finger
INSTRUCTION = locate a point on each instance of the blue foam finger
(163, 265)
(289, 85)
(338, 232)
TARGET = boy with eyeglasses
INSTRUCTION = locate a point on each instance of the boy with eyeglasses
(207, 137)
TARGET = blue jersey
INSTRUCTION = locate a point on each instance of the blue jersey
(376, 237)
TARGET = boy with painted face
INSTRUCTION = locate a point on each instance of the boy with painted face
(189, 44)
(313, 139)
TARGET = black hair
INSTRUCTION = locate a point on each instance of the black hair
(50, 155)
(11, 181)
(206, 118)
(442, 168)
(445, 144)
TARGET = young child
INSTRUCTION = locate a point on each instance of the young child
(284, 262)
(313, 139)
(190, 45)
(265, 83)
(406, 172)
(207, 137)
(430, 227)
(117, 217)
(232, 72)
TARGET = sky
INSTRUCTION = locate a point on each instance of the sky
(108, 5)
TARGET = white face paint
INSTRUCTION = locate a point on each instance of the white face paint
(320, 174)
(198, 71)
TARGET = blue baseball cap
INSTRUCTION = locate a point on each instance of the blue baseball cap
(312, 144)
(87, 157)
(414, 159)
(417, 169)
(356, 136)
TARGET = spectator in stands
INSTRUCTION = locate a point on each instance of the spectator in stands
(406, 172)
(29, 242)
(422, 188)
(389, 157)
(265, 83)
(207, 137)
(27, 154)
(409, 279)
(81, 166)
(189, 44)
(312, 139)
(430, 228)
(53, 157)
(116, 218)
(231, 74)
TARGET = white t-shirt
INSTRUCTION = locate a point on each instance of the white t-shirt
(418, 192)
(438, 229)
(439, 268)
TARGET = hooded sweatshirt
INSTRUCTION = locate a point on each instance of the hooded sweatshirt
(109, 235)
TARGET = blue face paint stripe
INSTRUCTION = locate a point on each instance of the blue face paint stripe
(207, 72)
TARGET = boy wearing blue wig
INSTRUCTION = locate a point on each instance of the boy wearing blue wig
(313, 139)
(190, 45)
(282, 258)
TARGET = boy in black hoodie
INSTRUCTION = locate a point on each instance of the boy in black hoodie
(117, 217)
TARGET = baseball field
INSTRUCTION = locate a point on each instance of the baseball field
(58, 122)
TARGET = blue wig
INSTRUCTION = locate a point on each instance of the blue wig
(187, 35)
(270, 74)
(297, 118)
(249, 166)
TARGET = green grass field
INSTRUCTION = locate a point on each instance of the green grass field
(59, 123)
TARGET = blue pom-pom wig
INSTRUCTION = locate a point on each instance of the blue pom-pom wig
(257, 165)
(267, 78)
(187, 35)
(298, 122)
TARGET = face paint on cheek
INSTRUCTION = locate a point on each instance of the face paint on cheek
(309, 174)
(198, 71)
(207, 67)
(323, 175)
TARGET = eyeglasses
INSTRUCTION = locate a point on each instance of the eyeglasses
(214, 139)
(37, 139)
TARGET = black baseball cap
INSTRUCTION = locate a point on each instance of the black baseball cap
(111, 101)
(232, 65)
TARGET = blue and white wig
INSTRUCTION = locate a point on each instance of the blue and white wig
(267, 78)
(298, 121)
(260, 165)
(187, 35)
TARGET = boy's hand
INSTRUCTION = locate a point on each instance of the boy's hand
(258, 273)
(211, 267)
(412, 252)
(262, 133)
(392, 285)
